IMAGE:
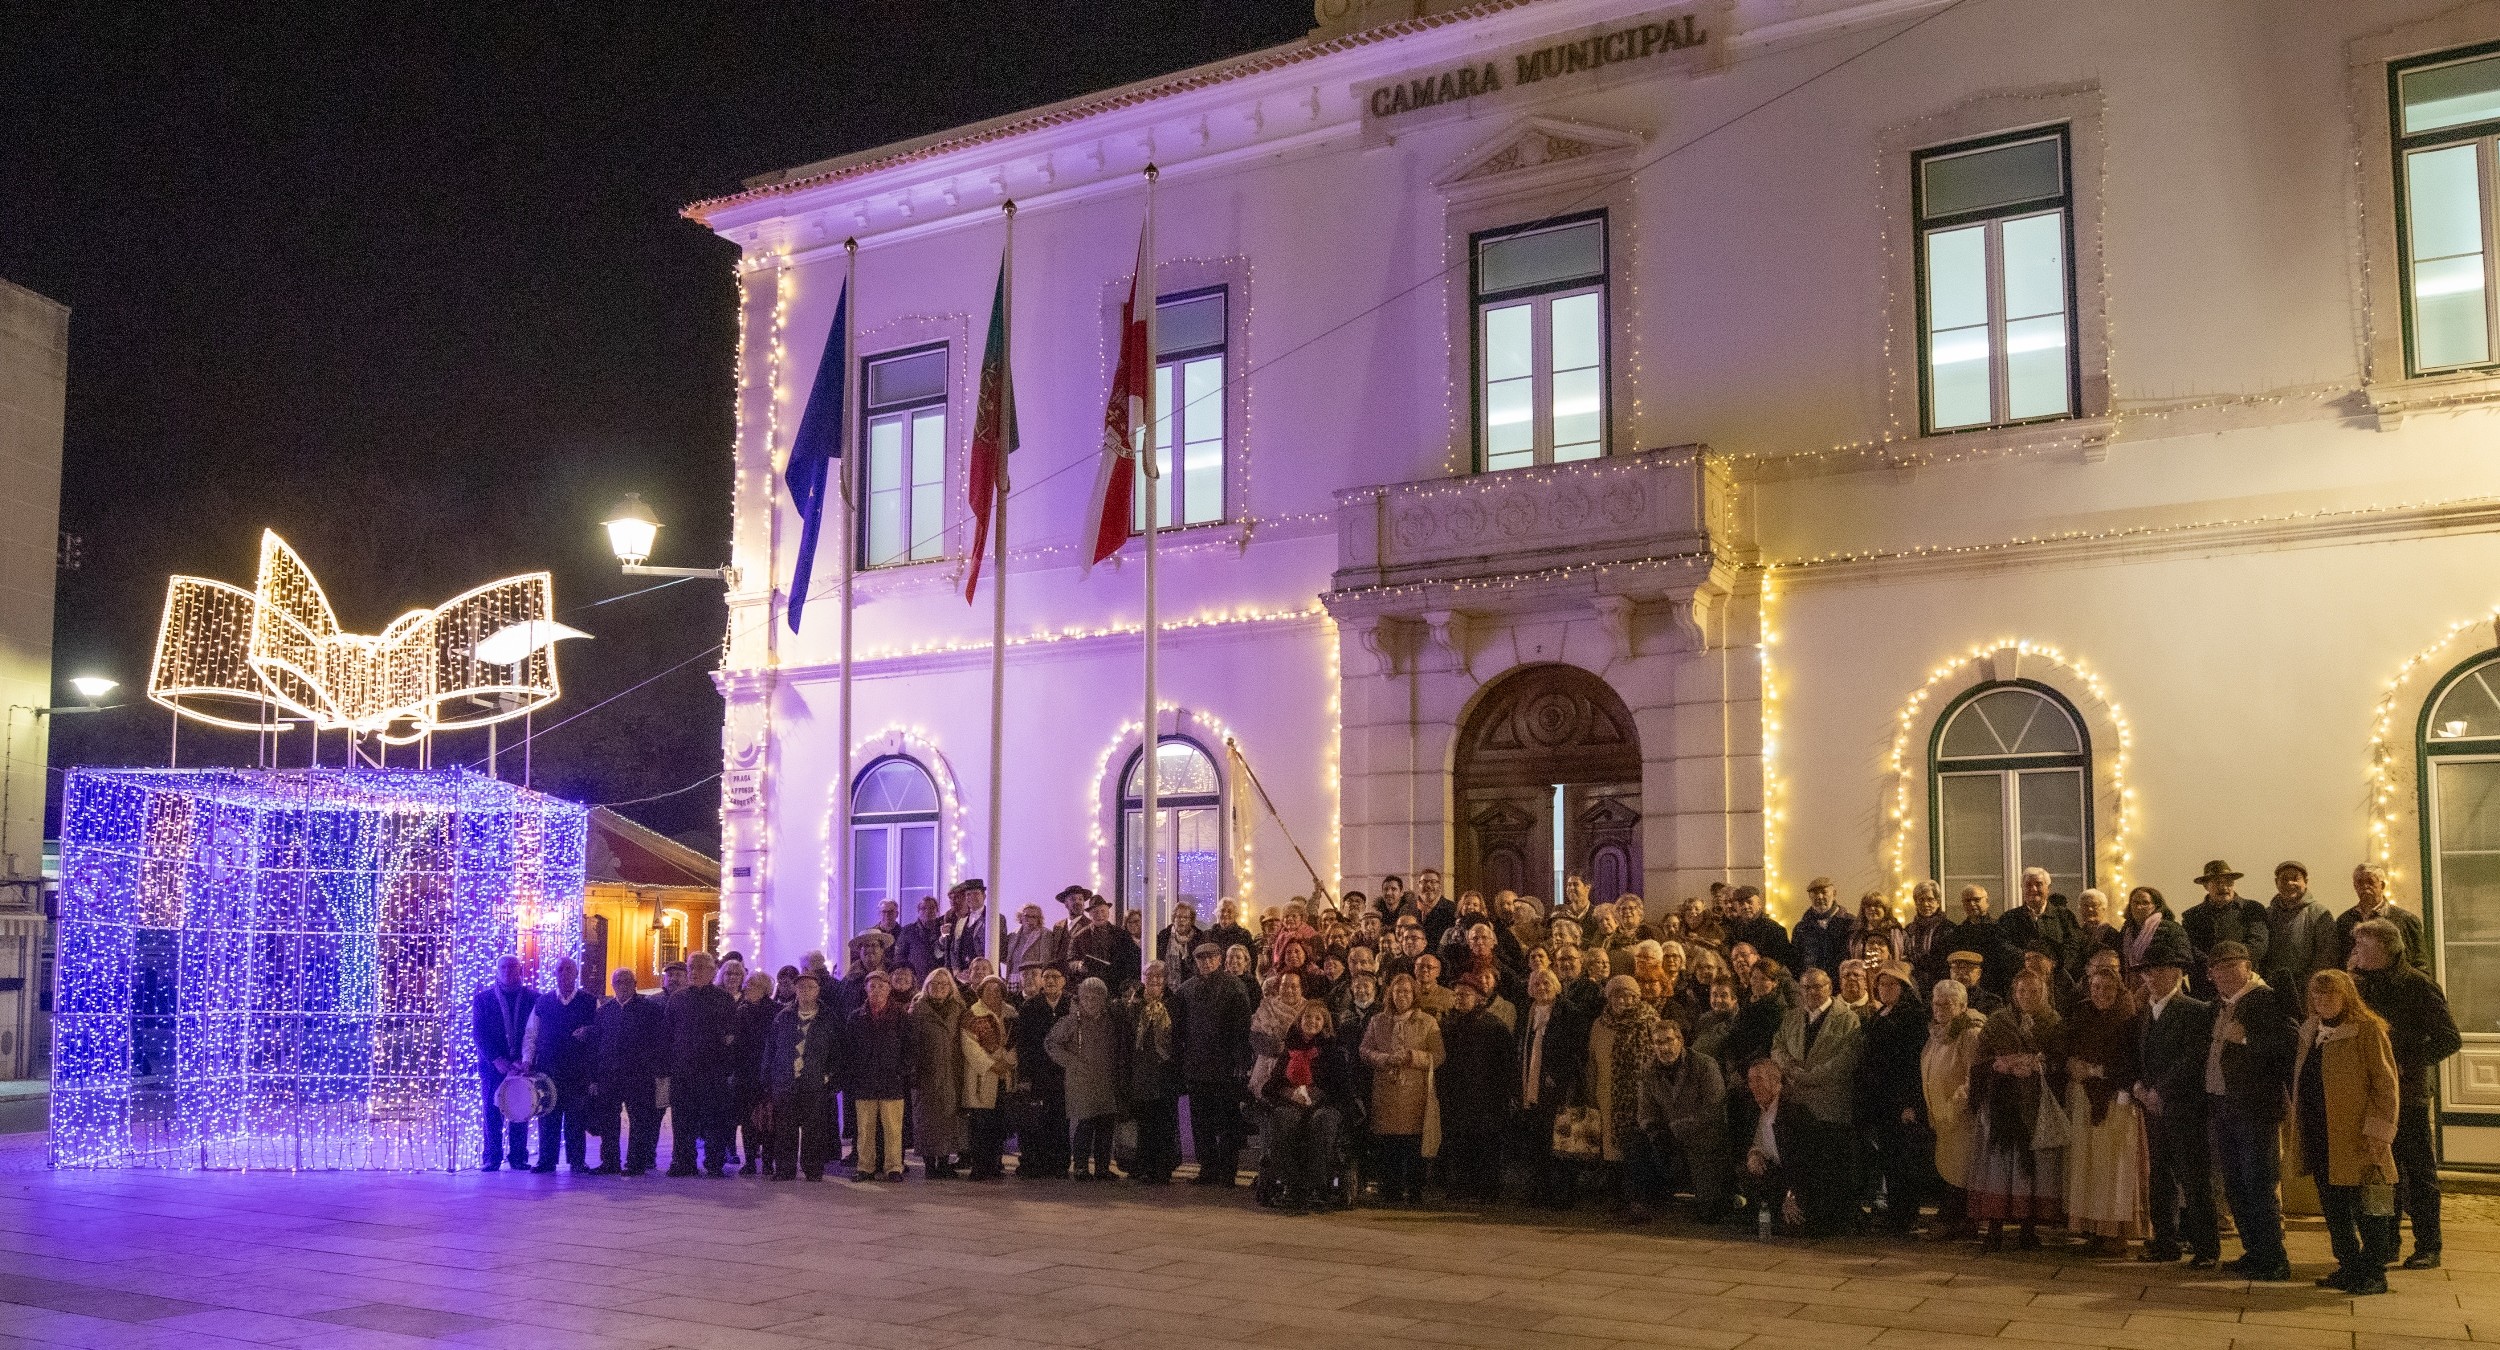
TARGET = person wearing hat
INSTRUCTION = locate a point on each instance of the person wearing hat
(1965, 967)
(2176, 1034)
(1890, 1099)
(2248, 1076)
(798, 1067)
(1211, 1017)
(1103, 950)
(2223, 917)
(962, 935)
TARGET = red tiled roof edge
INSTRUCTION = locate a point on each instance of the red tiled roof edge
(1259, 62)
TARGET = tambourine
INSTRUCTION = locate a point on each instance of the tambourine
(524, 1097)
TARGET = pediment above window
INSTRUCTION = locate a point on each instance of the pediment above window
(1536, 152)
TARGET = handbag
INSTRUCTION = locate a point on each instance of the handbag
(1579, 1134)
(2378, 1195)
(2051, 1130)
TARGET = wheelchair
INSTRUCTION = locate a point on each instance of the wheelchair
(1344, 1172)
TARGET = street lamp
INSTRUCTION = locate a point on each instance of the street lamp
(89, 688)
(632, 529)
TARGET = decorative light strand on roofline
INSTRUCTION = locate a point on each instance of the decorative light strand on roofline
(1043, 637)
(2107, 536)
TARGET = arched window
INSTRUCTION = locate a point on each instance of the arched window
(1188, 834)
(2010, 787)
(894, 839)
(2460, 739)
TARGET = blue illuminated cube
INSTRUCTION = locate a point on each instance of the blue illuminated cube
(273, 968)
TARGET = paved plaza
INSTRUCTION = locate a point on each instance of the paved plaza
(371, 1262)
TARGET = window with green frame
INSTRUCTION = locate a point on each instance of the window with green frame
(2446, 111)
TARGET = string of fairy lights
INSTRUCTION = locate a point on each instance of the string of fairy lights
(272, 969)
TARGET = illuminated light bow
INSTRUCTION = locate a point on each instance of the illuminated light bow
(227, 656)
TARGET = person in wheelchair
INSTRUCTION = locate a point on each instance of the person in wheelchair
(1311, 1100)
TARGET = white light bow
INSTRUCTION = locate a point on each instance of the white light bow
(230, 657)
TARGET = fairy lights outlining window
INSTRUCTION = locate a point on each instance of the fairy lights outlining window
(245, 659)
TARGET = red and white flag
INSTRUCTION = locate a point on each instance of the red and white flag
(1115, 482)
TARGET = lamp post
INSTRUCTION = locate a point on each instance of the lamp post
(632, 529)
(87, 687)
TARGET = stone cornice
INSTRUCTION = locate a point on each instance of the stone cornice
(2357, 525)
(1026, 648)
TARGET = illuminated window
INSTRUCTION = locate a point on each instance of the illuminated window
(1996, 282)
(903, 495)
(2461, 795)
(2011, 780)
(1189, 409)
(1540, 320)
(668, 940)
(1188, 834)
(2447, 116)
(894, 839)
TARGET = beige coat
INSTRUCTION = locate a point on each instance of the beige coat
(1401, 1093)
(1944, 1077)
(2360, 1073)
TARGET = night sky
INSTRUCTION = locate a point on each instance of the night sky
(414, 293)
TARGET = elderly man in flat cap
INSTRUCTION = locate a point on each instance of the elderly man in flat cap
(1212, 1014)
(2248, 1077)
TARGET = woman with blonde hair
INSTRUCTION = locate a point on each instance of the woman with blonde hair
(2344, 1103)
(938, 1077)
(989, 1067)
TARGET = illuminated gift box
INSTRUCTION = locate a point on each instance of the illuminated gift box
(273, 968)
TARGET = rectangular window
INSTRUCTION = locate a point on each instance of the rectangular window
(1540, 330)
(1189, 410)
(1996, 281)
(902, 498)
(2447, 115)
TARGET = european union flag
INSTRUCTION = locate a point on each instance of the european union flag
(816, 451)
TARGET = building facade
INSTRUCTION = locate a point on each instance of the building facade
(34, 378)
(1670, 443)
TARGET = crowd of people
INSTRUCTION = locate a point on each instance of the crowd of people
(2053, 1072)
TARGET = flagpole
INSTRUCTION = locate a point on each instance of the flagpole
(840, 901)
(1149, 925)
(998, 595)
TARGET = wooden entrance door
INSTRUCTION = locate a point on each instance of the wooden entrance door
(1550, 750)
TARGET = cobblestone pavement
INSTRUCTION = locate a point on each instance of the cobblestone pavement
(119, 1261)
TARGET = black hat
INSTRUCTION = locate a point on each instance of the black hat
(2169, 947)
(2226, 951)
(967, 884)
(1066, 891)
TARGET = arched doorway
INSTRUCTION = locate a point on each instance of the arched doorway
(1548, 784)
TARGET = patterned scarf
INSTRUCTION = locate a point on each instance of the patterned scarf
(1633, 1034)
